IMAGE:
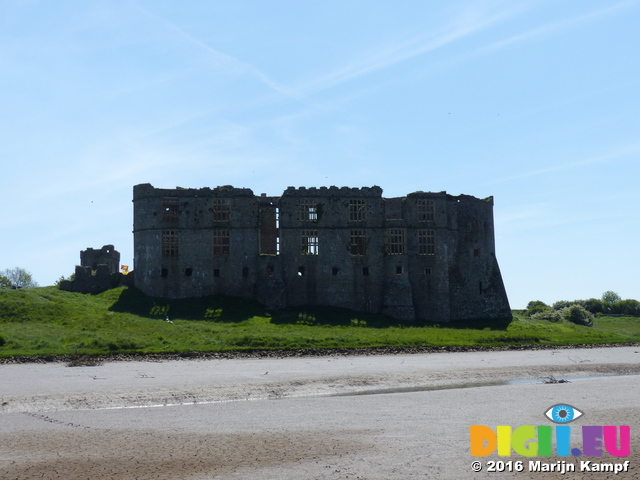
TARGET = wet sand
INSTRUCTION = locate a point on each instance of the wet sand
(299, 418)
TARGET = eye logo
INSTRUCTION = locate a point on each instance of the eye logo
(562, 413)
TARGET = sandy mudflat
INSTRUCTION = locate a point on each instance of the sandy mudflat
(378, 417)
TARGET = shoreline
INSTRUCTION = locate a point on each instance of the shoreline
(164, 381)
(92, 360)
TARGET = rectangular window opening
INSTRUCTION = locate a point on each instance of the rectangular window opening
(221, 241)
(277, 231)
(170, 208)
(309, 242)
(301, 271)
(169, 243)
(365, 271)
(269, 230)
(188, 272)
(271, 269)
(426, 210)
(308, 211)
(334, 271)
(427, 271)
(426, 242)
(394, 240)
(357, 210)
(476, 252)
(245, 272)
(220, 210)
(358, 242)
(216, 272)
(399, 270)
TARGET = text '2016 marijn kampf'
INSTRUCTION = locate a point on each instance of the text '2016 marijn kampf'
(583, 466)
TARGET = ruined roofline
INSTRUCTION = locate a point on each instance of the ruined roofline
(147, 190)
(104, 249)
(461, 197)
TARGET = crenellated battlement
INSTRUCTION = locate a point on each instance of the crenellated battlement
(333, 191)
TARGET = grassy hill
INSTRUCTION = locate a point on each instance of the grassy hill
(48, 321)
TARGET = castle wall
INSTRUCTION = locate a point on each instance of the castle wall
(99, 270)
(190, 243)
(332, 275)
(427, 256)
(107, 255)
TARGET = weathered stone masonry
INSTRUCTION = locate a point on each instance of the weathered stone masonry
(98, 271)
(425, 256)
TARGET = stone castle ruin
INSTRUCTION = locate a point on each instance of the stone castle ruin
(98, 271)
(426, 256)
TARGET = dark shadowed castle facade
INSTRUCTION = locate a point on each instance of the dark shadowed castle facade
(426, 256)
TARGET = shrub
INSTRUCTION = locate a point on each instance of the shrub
(560, 304)
(536, 306)
(582, 303)
(578, 314)
(594, 305)
(627, 307)
(2, 340)
(554, 316)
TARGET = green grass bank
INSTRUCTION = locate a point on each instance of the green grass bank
(47, 321)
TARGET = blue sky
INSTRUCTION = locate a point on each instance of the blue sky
(534, 102)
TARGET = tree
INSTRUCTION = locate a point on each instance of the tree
(17, 278)
(70, 278)
(4, 282)
(610, 297)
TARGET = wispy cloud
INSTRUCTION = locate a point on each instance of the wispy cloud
(465, 24)
(621, 153)
(558, 26)
(565, 217)
(222, 59)
(516, 218)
